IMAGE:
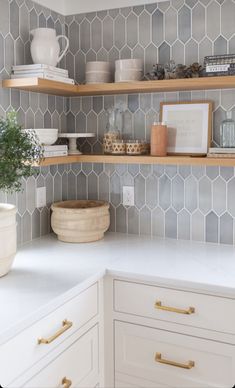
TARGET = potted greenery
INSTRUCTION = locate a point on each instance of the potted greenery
(19, 151)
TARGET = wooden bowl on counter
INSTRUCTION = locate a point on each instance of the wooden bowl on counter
(80, 220)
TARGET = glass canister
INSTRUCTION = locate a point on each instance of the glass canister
(112, 133)
(227, 131)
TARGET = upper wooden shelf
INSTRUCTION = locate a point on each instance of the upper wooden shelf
(62, 89)
(145, 159)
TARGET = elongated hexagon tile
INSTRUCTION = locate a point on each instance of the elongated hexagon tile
(205, 195)
(198, 22)
(145, 221)
(226, 229)
(133, 220)
(219, 196)
(104, 187)
(184, 24)
(191, 52)
(226, 172)
(152, 191)
(212, 172)
(14, 19)
(92, 186)
(212, 227)
(157, 27)
(171, 224)
(164, 53)
(191, 194)
(178, 52)
(132, 30)
(205, 48)
(170, 25)
(119, 32)
(198, 226)
(227, 99)
(139, 182)
(227, 18)
(230, 196)
(5, 17)
(108, 33)
(178, 193)
(213, 20)
(164, 192)
(96, 34)
(115, 189)
(74, 37)
(121, 219)
(85, 37)
(144, 29)
(220, 46)
(151, 57)
(184, 225)
(139, 125)
(158, 222)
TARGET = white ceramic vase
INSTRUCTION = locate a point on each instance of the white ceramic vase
(45, 46)
(7, 237)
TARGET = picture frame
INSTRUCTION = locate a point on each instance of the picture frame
(189, 126)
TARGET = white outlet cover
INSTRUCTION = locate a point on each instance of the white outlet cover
(128, 196)
(41, 197)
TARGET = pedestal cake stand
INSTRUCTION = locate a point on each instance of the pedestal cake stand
(73, 141)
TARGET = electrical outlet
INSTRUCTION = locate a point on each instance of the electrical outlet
(41, 197)
(128, 196)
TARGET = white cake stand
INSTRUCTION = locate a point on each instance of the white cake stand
(73, 141)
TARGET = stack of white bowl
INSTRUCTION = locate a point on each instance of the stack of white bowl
(98, 72)
(129, 70)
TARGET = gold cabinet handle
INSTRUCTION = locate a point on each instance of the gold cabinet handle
(65, 326)
(159, 306)
(189, 365)
(66, 383)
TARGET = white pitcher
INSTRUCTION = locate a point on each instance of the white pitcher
(45, 47)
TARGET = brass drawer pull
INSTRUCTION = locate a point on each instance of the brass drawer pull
(189, 365)
(65, 326)
(66, 383)
(159, 306)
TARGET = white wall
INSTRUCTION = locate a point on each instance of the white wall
(70, 7)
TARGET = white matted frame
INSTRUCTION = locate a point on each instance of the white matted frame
(189, 126)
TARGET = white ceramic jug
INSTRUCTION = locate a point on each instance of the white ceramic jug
(45, 47)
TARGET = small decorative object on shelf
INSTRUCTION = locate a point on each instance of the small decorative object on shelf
(112, 133)
(98, 72)
(118, 147)
(134, 147)
(170, 70)
(73, 141)
(157, 73)
(227, 131)
(158, 144)
(220, 152)
(194, 71)
(219, 65)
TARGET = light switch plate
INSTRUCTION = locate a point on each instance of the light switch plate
(128, 196)
(41, 197)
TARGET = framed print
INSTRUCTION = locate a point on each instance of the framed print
(189, 126)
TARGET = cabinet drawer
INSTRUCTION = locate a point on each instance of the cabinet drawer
(159, 356)
(208, 312)
(77, 365)
(78, 311)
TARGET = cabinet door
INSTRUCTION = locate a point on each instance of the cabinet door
(172, 359)
(77, 366)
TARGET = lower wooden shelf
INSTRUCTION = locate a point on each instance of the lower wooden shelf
(145, 159)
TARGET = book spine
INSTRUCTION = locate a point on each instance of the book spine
(22, 72)
(55, 148)
(55, 153)
(217, 68)
(38, 67)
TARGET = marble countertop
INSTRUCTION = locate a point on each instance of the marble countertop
(47, 272)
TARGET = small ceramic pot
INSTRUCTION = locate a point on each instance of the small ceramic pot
(119, 147)
(134, 147)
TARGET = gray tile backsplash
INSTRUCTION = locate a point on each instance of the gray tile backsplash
(184, 202)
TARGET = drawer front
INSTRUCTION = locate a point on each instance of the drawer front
(77, 311)
(208, 312)
(76, 367)
(172, 359)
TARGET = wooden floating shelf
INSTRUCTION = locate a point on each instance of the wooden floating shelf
(62, 89)
(145, 159)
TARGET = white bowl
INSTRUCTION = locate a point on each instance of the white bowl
(98, 66)
(127, 64)
(98, 77)
(128, 76)
(47, 136)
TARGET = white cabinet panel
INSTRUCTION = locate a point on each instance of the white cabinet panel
(136, 347)
(78, 363)
(210, 312)
(78, 310)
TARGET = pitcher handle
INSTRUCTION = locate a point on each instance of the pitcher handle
(66, 47)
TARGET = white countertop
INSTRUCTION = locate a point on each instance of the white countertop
(46, 272)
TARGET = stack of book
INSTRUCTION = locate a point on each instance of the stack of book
(41, 71)
(221, 152)
(55, 150)
(217, 65)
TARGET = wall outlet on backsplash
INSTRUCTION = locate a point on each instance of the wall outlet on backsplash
(40, 197)
(128, 196)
